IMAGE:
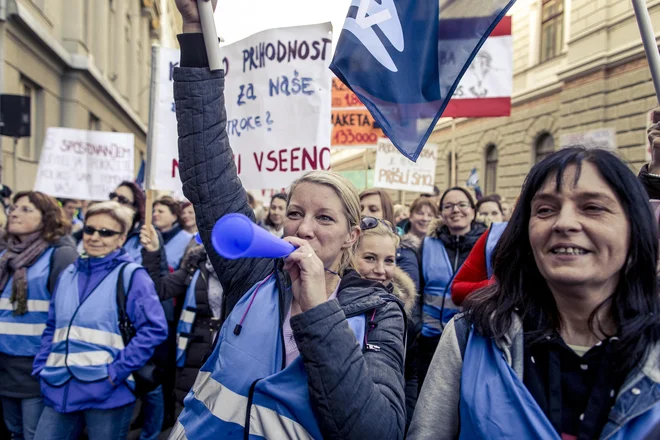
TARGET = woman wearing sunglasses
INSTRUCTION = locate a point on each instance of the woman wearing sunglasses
(308, 349)
(84, 364)
(37, 250)
(443, 252)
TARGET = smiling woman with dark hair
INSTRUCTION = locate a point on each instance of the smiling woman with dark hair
(567, 341)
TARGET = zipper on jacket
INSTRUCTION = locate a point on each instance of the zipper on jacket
(246, 430)
(457, 252)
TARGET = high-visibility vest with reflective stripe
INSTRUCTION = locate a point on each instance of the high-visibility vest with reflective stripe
(87, 337)
(247, 369)
(133, 248)
(176, 247)
(494, 233)
(21, 335)
(438, 308)
(186, 321)
(505, 409)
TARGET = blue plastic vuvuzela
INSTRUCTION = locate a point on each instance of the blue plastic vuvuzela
(236, 236)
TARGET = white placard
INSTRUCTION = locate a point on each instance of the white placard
(85, 165)
(277, 95)
(394, 171)
(601, 138)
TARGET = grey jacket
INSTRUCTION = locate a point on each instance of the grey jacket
(437, 413)
(355, 394)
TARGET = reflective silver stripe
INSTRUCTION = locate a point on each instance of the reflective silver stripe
(84, 359)
(178, 433)
(436, 301)
(15, 328)
(187, 316)
(182, 343)
(33, 305)
(92, 336)
(230, 407)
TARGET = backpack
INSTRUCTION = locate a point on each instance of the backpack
(150, 375)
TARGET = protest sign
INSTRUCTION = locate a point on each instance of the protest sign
(393, 171)
(277, 95)
(352, 124)
(85, 165)
(602, 138)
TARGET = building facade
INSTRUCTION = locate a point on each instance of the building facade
(579, 65)
(85, 64)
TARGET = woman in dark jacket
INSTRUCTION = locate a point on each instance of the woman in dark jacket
(38, 249)
(442, 253)
(196, 286)
(308, 348)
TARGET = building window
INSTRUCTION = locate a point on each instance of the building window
(552, 28)
(545, 145)
(94, 123)
(30, 147)
(491, 169)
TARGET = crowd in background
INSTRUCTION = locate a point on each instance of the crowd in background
(448, 318)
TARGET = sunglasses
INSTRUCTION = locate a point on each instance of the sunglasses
(121, 199)
(371, 222)
(105, 233)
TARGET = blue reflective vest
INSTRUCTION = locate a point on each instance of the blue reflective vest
(494, 233)
(186, 321)
(438, 308)
(133, 248)
(87, 337)
(243, 378)
(495, 404)
(21, 335)
(176, 247)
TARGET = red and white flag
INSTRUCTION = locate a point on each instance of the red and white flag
(485, 89)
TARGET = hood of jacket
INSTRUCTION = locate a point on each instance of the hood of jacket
(404, 289)
(411, 241)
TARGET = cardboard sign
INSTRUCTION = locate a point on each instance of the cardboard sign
(85, 165)
(277, 95)
(352, 124)
(394, 171)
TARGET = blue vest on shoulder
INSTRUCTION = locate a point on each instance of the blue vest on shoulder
(87, 337)
(176, 247)
(133, 248)
(438, 308)
(186, 321)
(494, 233)
(495, 404)
(21, 335)
(245, 373)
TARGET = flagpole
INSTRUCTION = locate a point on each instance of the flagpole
(210, 34)
(453, 152)
(648, 38)
(153, 97)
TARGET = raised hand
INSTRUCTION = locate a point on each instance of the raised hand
(149, 238)
(190, 15)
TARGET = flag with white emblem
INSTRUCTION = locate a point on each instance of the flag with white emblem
(405, 58)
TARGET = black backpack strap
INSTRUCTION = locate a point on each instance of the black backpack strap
(462, 329)
(125, 325)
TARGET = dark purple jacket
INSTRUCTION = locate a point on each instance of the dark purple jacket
(145, 312)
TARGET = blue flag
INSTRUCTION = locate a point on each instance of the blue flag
(140, 175)
(473, 182)
(405, 58)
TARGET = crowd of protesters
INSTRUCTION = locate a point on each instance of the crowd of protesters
(449, 318)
